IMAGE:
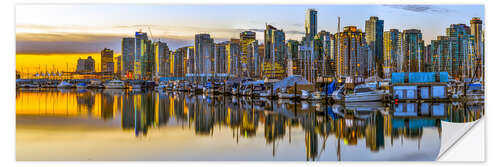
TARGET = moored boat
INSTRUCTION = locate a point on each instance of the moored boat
(365, 93)
(305, 95)
(114, 84)
(81, 85)
(65, 85)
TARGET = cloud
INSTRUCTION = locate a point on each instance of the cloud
(257, 30)
(80, 42)
(90, 39)
(295, 32)
(420, 8)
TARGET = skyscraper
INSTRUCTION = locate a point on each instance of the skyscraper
(85, 65)
(233, 58)
(147, 61)
(324, 56)
(351, 58)
(118, 65)
(141, 40)
(204, 55)
(391, 52)
(461, 50)
(254, 59)
(107, 65)
(161, 55)
(440, 54)
(311, 24)
(375, 38)
(190, 59)
(221, 57)
(476, 25)
(128, 59)
(275, 52)
(246, 38)
(412, 51)
(177, 62)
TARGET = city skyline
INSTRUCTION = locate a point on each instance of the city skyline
(177, 25)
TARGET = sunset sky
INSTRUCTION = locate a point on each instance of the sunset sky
(87, 29)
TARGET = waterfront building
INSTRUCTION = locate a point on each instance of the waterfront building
(189, 60)
(323, 48)
(140, 54)
(221, 57)
(311, 23)
(476, 27)
(352, 55)
(85, 65)
(391, 52)
(293, 57)
(107, 65)
(204, 56)
(454, 53)
(375, 38)
(462, 47)
(177, 62)
(412, 53)
(254, 59)
(128, 59)
(161, 55)
(274, 52)
(233, 58)
(440, 54)
(246, 38)
(118, 65)
(427, 58)
(261, 52)
(147, 62)
(305, 61)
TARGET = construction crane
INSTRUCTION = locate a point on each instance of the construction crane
(150, 33)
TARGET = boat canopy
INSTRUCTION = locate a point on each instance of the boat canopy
(474, 86)
(258, 82)
(332, 87)
(290, 81)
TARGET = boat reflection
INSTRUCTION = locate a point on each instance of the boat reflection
(376, 124)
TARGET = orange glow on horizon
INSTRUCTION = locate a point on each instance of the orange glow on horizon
(32, 63)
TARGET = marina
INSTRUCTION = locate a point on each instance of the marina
(161, 125)
(407, 87)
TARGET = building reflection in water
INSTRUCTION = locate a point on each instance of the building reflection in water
(349, 124)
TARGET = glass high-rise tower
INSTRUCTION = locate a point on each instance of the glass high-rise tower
(374, 29)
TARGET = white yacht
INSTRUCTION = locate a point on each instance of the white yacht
(475, 92)
(305, 94)
(65, 84)
(338, 94)
(114, 84)
(365, 93)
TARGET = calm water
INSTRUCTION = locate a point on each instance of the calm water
(139, 125)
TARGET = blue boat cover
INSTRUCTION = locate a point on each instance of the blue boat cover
(331, 87)
(474, 86)
(171, 78)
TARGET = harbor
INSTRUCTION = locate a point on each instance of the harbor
(166, 125)
(402, 87)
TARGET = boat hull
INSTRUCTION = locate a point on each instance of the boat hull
(364, 97)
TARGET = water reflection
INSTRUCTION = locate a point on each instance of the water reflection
(374, 126)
